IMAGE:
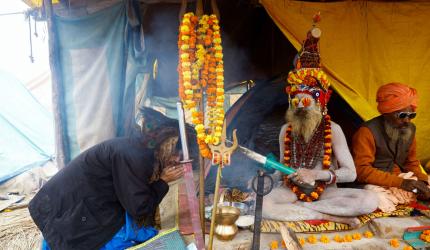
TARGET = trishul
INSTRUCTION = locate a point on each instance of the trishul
(221, 155)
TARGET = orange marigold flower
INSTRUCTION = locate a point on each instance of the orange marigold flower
(337, 238)
(368, 234)
(394, 243)
(348, 238)
(312, 239)
(324, 239)
(274, 244)
(356, 236)
(314, 195)
(302, 241)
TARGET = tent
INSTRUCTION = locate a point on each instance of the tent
(105, 54)
(26, 127)
(107, 70)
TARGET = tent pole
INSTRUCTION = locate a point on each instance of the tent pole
(182, 10)
(199, 8)
(202, 194)
(57, 91)
(215, 9)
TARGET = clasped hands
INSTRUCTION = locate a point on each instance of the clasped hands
(173, 171)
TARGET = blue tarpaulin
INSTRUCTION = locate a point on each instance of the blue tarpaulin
(26, 129)
(100, 60)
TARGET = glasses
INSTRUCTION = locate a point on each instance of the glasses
(403, 115)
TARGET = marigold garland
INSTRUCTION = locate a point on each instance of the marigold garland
(425, 236)
(315, 195)
(201, 71)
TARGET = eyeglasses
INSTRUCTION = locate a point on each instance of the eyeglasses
(403, 115)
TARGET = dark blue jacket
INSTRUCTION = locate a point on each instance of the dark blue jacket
(83, 205)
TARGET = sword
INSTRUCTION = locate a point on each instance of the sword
(268, 162)
(189, 181)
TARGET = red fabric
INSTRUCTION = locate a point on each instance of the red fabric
(185, 225)
(392, 97)
(418, 206)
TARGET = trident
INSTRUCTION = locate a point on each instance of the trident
(221, 155)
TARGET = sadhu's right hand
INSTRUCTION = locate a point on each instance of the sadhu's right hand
(172, 173)
(422, 189)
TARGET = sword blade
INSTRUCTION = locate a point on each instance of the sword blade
(182, 132)
(251, 154)
(189, 182)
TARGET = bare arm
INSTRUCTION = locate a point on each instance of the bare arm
(281, 143)
(277, 176)
(346, 171)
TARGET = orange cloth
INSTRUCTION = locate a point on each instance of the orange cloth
(363, 151)
(396, 96)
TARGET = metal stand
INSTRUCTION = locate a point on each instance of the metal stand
(260, 191)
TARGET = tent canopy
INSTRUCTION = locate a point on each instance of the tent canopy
(26, 127)
(256, 46)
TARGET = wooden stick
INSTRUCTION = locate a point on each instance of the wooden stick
(215, 9)
(57, 89)
(182, 10)
(199, 8)
(290, 243)
(202, 193)
(215, 205)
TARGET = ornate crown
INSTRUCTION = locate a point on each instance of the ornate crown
(307, 76)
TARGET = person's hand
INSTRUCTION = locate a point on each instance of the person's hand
(303, 175)
(422, 189)
(172, 173)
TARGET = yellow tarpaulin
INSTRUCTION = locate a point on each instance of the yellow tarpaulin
(37, 3)
(364, 45)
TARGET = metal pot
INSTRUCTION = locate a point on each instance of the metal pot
(225, 219)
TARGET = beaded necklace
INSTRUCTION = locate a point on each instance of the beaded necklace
(306, 155)
(298, 154)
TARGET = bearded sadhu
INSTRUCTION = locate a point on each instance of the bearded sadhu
(385, 146)
(316, 147)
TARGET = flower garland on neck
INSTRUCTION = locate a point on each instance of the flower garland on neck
(201, 71)
(326, 161)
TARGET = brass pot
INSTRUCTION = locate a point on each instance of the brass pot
(225, 219)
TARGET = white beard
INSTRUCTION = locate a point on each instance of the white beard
(305, 122)
(396, 134)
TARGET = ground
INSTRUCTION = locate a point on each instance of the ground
(18, 232)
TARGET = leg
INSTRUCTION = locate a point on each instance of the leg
(345, 202)
(334, 205)
(280, 205)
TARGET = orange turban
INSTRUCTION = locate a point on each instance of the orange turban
(392, 97)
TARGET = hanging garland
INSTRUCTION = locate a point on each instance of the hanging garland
(326, 161)
(201, 71)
